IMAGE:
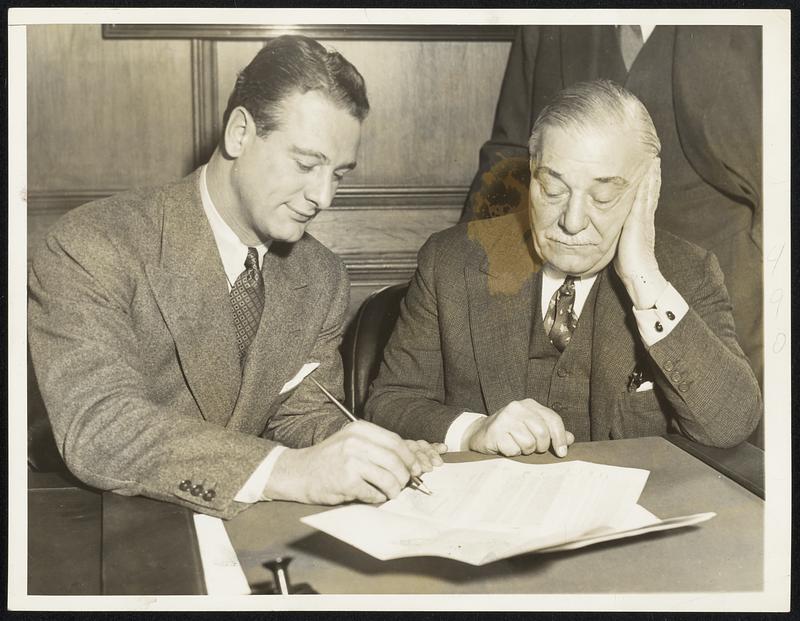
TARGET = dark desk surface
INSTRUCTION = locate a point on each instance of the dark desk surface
(83, 542)
(64, 536)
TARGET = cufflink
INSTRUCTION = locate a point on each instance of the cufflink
(670, 315)
(658, 327)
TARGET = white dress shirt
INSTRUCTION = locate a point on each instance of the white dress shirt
(654, 324)
(233, 253)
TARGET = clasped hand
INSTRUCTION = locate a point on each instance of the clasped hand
(360, 462)
(520, 428)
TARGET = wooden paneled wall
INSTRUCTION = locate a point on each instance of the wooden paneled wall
(106, 114)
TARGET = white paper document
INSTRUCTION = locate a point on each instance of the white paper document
(221, 569)
(484, 511)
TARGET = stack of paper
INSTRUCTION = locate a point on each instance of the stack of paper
(483, 511)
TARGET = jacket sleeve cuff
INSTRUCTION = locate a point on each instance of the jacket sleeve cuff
(457, 429)
(657, 322)
(253, 489)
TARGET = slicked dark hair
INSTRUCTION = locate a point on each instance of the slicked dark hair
(294, 64)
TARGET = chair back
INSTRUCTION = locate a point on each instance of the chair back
(364, 340)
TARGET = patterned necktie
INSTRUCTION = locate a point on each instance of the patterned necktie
(247, 301)
(630, 43)
(560, 319)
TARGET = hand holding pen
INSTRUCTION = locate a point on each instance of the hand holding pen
(359, 462)
(415, 481)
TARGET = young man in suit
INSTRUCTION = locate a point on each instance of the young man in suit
(575, 321)
(166, 325)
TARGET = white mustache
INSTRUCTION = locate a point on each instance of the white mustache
(573, 240)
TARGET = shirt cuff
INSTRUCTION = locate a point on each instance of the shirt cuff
(253, 489)
(456, 430)
(657, 322)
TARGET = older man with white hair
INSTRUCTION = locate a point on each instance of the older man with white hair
(577, 321)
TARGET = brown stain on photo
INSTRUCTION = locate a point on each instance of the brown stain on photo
(504, 189)
(511, 257)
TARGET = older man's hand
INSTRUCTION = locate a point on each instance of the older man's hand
(635, 261)
(520, 428)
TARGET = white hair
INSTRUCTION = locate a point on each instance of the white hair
(596, 104)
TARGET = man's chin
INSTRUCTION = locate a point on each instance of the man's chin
(295, 234)
(288, 234)
(577, 268)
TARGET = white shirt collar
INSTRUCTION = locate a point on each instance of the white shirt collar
(553, 278)
(647, 30)
(231, 249)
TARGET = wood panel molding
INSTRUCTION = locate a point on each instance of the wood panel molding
(363, 32)
(205, 112)
(367, 197)
(399, 197)
(371, 269)
(57, 202)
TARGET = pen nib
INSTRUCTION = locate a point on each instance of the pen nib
(418, 485)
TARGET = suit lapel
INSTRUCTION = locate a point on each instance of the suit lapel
(277, 343)
(190, 289)
(500, 326)
(613, 351)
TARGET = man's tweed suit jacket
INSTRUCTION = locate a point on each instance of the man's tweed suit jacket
(133, 343)
(461, 343)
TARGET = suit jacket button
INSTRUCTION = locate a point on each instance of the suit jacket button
(209, 495)
(562, 372)
(197, 490)
(185, 485)
(668, 365)
(683, 387)
(676, 377)
(557, 405)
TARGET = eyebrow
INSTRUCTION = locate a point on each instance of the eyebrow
(613, 180)
(616, 180)
(320, 156)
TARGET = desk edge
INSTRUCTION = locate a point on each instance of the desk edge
(751, 481)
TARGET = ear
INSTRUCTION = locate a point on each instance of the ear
(238, 131)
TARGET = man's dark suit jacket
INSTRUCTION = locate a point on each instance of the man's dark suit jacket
(716, 92)
(461, 343)
(132, 337)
